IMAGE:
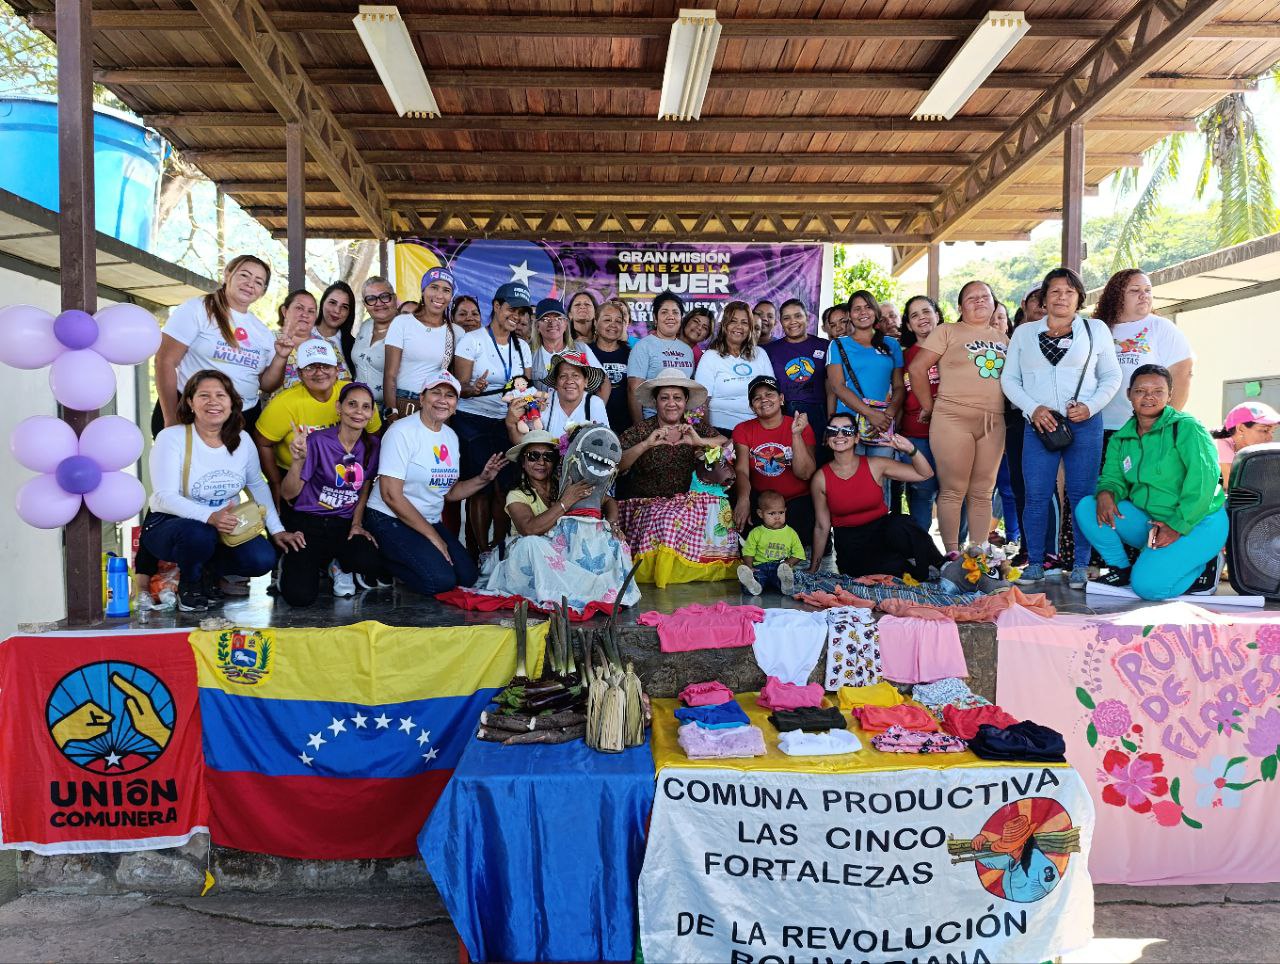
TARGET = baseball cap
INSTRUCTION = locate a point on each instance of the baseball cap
(548, 306)
(316, 351)
(762, 381)
(1252, 412)
(438, 274)
(514, 294)
(444, 378)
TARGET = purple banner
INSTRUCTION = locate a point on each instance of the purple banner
(707, 275)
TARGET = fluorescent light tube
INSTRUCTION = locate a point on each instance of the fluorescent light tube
(989, 44)
(690, 54)
(391, 49)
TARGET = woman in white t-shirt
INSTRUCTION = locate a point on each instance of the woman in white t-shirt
(217, 331)
(368, 352)
(419, 346)
(728, 365)
(198, 469)
(551, 336)
(418, 471)
(1141, 339)
(573, 400)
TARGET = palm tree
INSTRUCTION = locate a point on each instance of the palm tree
(1234, 152)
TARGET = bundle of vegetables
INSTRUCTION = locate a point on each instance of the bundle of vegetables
(616, 708)
(549, 709)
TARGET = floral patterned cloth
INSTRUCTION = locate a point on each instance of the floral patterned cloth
(947, 692)
(853, 648)
(696, 528)
(578, 559)
(896, 739)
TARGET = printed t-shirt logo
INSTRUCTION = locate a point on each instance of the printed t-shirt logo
(110, 717)
(1137, 345)
(348, 478)
(441, 453)
(216, 487)
(800, 370)
(245, 656)
(771, 459)
(988, 356)
(241, 355)
(1022, 851)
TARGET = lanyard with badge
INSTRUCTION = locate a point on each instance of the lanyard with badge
(506, 367)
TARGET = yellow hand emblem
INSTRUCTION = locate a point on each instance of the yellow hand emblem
(142, 712)
(85, 722)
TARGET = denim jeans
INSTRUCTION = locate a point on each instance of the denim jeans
(1158, 573)
(1008, 501)
(193, 545)
(419, 564)
(922, 495)
(1081, 461)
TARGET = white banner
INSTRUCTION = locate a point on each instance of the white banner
(953, 864)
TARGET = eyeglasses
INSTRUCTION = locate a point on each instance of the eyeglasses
(547, 457)
(841, 431)
(383, 299)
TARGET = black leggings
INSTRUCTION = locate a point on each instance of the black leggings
(889, 545)
(327, 539)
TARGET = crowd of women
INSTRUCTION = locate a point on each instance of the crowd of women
(747, 443)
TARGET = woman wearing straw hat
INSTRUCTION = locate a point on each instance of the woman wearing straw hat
(678, 535)
(575, 380)
(558, 550)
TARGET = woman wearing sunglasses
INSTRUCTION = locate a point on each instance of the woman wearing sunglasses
(848, 499)
(370, 346)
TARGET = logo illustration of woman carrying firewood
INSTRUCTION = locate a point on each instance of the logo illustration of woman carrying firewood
(1021, 852)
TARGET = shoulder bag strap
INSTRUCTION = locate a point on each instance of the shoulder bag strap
(186, 464)
(849, 373)
(1080, 384)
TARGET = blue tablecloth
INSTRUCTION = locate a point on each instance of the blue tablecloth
(536, 850)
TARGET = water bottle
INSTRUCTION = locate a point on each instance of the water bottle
(117, 586)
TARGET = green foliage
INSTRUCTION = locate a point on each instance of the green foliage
(29, 62)
(864, 273)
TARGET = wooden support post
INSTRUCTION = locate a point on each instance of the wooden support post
(935, 275)
(1073, 197)
(384, 263)
(77, 243)
(296, 185)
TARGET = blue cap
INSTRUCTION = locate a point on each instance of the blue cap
(515, 294)
(438, 274)
(549, 306)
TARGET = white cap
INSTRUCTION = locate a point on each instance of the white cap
(316, 351)
(444, 378)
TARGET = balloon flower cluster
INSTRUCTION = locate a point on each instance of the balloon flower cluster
(79, 349)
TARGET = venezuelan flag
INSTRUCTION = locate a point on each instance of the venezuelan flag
(333, 744)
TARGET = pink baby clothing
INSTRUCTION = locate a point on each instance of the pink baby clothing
(700, 743)
(897, 740)
(712, 693)
(914, 650)
(777, 695)
(704, 627)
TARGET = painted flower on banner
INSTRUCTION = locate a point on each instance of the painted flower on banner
(1112, 718)
(1263, 738)
(1225, 715)
(1133, 780)
(1218, 787)
(1268, 640)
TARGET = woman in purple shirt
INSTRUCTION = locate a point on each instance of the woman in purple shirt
(329, 482)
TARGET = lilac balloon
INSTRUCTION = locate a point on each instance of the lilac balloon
(127, 334)
(76, 329)
(112, 442)
(117, 497)
(82, 380)
(78, 474)
(43, 503)
(26, 337)
(42, 441)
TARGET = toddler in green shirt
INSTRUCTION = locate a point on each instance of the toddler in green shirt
(770, 549)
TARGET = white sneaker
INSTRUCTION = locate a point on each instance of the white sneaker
(344, 584)
(786, 579)
(748, 580)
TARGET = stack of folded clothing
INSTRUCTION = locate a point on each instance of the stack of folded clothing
(907, 716)
(714, 726)
(949, 691)
(814, 731)
(964, 723)
(1020, 741)
(881, 694)
(897, 740)
(777, 695)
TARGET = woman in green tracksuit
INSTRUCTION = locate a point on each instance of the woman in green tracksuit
(1158, 492)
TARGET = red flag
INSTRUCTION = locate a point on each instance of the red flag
(100, 744)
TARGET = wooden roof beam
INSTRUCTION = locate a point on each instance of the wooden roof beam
(245, 29)
(238, 120)
(650, 27)
(639, 79)
(1112, 66)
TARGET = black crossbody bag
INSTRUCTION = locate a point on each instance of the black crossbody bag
(1062, 436)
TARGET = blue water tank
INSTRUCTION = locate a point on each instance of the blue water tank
(126, 164)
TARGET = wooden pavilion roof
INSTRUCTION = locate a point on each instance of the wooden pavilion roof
(550, 129)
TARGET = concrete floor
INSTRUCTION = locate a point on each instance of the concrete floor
(1218, 923)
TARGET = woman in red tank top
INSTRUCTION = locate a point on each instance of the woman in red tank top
(848, 499)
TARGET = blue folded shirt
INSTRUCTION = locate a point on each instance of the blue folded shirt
(718, 717)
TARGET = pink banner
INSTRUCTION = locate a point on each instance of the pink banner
(1171, 714)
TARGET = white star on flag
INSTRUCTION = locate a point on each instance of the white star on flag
(406, 724)
(304, 758)
(316, 741)
(382, 721)
(113, 759)
(431, 754)
(521, 272)
(337, 726)
(359, 720)
(424, 737)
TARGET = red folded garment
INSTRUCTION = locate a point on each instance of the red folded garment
(484, 602)
(777, 695)
(964, 723)
(706, 694)
(877, 719)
